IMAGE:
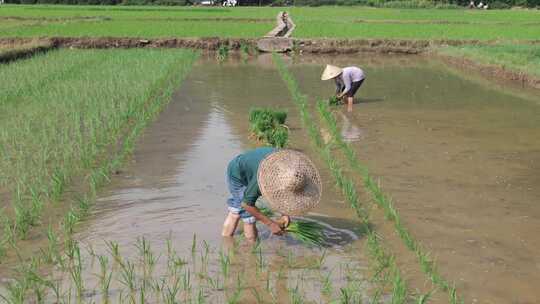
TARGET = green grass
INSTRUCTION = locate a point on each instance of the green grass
(64, 124)
(521, 58)
(332, 22)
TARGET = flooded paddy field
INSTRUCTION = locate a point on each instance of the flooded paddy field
(459, 156)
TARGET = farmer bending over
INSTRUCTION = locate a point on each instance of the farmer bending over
(287, 179)
(348, 81)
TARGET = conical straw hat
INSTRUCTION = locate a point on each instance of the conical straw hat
(330, 72)
(289, 181)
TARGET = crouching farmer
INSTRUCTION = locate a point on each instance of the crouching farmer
(287, 179)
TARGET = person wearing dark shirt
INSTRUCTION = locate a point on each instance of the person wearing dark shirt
(286, 178)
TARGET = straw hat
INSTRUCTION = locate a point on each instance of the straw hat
(289, 182)
(330, 72)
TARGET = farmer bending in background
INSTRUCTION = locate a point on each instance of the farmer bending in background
(348, 81)
(287, 179)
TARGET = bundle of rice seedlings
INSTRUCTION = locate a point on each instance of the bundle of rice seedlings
(307, 232)
(268, 125)
(334, 101)
(278, 137)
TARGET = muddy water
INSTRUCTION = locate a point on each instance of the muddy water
(174, 189)
(461, 159)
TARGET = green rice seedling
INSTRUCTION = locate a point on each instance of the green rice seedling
(334, 101)
(222, 52)
(268, 125)
(114, 251)
(83, 203)
(200, 297)
(260, 260)
(59, 180)
(76, 270)
(327, 287)
(194, 245)
(399, 289)
(307, 232)
(148, 258)
(225, 263)
(215, 283)
(16, 292)
(320, 261)
(295, 296)
(105, 277)
(344, 296)
(127, 275)
(424, 298)
(278, 137)
(23, 218)
(171, 292)
(205, 253)
(52, 255)
(237, 294)
(186, 280)
(69, 222)
(257, 296)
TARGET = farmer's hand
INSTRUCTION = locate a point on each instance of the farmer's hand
(276, 228)
(284, 221)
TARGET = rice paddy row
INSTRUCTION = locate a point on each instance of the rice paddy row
(383, 201)
(201, 275)
(385, 270)
(71, 126)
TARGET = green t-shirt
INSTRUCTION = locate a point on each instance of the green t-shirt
(243, 169)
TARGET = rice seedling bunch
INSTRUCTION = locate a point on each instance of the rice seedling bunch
(307, 232)
(268, 125)
(334, 101)
(278, 137)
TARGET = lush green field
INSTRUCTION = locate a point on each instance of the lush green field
(331, 22)
(62, 116)
(524, 58)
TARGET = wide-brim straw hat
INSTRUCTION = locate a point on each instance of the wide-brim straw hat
(290, 182)
(330, 72)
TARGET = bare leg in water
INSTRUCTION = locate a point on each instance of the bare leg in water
(230, 224)
(350, 100)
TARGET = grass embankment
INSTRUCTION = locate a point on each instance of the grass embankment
(322, 22)
(71, 117)
(386, 272)
(515, 57)
(13, 52)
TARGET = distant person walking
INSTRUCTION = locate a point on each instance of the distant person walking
(348, 80)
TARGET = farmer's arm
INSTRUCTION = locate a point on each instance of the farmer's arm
(347, 82)
(253, 210)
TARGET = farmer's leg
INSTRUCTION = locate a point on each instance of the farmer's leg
(234, 206)
(230, 224)
(350, 95)
(250, 232)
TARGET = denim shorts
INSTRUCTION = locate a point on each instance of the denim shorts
(235, 202)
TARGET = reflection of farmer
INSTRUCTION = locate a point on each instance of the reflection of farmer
(348, 81)
(285, 178)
